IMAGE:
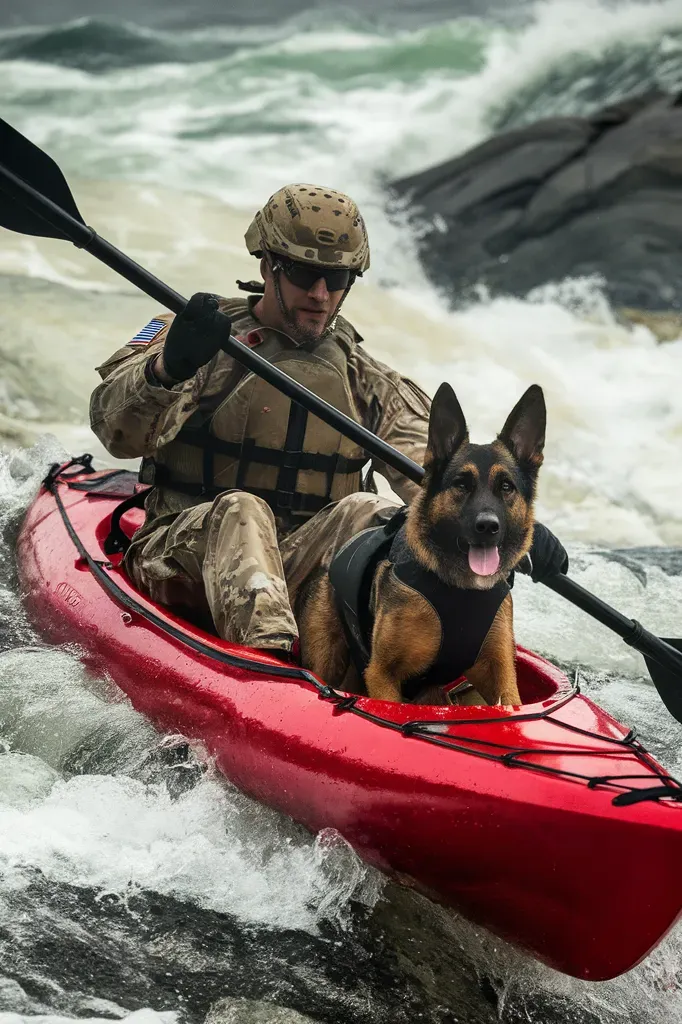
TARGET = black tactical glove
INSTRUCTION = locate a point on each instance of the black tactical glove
(547, 556)
(195, 336)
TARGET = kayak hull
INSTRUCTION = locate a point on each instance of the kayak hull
(523, 845)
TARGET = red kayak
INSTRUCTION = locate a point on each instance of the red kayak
(549, 824)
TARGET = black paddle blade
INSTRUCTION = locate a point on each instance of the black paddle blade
(23, 159)
(667, 682)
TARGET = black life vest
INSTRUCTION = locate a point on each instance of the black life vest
(465, 615)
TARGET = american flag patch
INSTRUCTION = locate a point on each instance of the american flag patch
(148, 333)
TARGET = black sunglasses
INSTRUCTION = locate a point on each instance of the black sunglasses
(305, 275)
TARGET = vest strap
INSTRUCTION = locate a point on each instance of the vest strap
(157, 475)
(250, 452)
(291, 458)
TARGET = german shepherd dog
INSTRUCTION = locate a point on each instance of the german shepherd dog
(469, 526)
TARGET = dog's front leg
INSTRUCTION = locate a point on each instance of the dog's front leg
(323, 641)
(494, 672)
(405, 639)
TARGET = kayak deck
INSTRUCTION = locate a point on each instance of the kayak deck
(532, 821)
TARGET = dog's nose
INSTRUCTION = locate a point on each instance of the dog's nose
(487, 524)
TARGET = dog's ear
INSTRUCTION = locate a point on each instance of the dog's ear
(447, 427)
(524, 432)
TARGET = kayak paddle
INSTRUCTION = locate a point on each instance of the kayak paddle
(35, 199)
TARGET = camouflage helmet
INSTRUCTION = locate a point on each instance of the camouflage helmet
(311, 224)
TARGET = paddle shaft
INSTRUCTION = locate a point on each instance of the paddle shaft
(86, 238)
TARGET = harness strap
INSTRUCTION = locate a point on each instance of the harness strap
(465, 615)
(246, 449)
(207, 470)
(351, 573)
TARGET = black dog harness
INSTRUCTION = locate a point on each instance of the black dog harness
(465, 615)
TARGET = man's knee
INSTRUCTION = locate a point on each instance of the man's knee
(362, 505)
(243, 507)
(361, 499)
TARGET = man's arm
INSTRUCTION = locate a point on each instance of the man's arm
(130, 409)
(152, 385)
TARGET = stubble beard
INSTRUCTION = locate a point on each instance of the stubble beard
(302, 335)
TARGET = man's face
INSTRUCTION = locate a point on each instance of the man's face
(307, 311)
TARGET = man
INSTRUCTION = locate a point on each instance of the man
(251, 495)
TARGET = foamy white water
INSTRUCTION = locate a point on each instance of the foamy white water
(123, 832)
(138, 1017)
(207, 847)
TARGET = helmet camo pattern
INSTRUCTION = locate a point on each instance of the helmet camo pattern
(311, 224)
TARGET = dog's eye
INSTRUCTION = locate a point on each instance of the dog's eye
(507, 487)
(461, 483)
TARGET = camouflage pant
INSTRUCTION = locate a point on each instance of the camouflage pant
(224, 558)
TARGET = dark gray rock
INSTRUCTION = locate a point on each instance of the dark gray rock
(249, 1011)
(77, 952)
(62, 947)
(639, 559)
(564, 197)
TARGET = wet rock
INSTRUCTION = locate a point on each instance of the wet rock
(637, 560)
(62, 946)
(246, 1011)
(564, 197)
(665, 326)
(13, 999)
(76, 952)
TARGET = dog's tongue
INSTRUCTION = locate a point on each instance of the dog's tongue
(484, 561)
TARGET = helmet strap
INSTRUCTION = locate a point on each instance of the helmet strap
(331, 323)
(329, 327)
(276, 269)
